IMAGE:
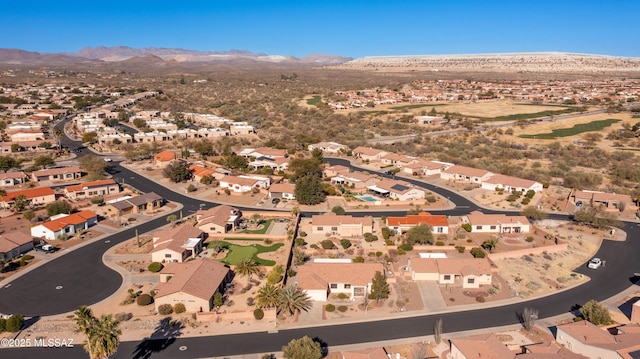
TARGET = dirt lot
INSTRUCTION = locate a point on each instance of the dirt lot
(490, 109)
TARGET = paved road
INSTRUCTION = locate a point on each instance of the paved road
(85, 281)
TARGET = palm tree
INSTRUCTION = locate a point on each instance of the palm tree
(292, 300)
(85, 322)
(299, 256)
(247, 267)
(105, 337)
(490, 244)
(268, 296)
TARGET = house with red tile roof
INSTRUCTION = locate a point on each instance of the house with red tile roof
(200, 172)
(368, 154)
(13, 244)
(465, 174)
(14, 178)
(509, 183)
(587, 339)
(164, 158)
(192, 283)
(395, 189)
(35, 196)
(321, 279)
(92, 189)
(469, 272)
(177, 244)
(438, 223)
(346, 226)
(219, 219)
(498, 223)
(65, 224)
(68, 173)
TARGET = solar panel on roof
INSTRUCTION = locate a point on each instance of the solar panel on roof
(399, 187)
(635, 355)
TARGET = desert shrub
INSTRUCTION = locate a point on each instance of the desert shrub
(22, 262)
(460, 249)
(345, 243)
(258, 313)
(342, 296)
(386, 233)
(153, 292)
(144, 299)
(370, 237)
(526, 200)
(165, 309)
(327, 244)
(466, 227)
(477, 252)
(406, 247)
(480, 299)
(299, 242)
(291, 272)
(530, 193)
(97, 200)
(388, 242)
(529, 239)
(342, 308)
(3, 325)
(431, 198)
(179, 308)
(191, 188)
(155, 267)
(330, 307)
(14, 323)
(401, 252)
(358, 259)
(27, 257)
(379, 254)
(440, 243)
(302, 234)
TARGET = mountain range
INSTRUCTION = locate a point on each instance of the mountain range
(116, 54)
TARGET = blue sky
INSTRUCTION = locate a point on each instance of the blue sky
(347, 28)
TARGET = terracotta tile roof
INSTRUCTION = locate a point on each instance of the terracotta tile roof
(414, 220)
(29, 193)
(200, 171)
(483, 346)
(165, 156)
(217, 215)
(199, 278)
(56, 171)
(269, 152)
(467, 171)
(396, 186)
(12, 240)
(93, 184)
(499, 179)
(461, 266)
(242, 181)
(332, 219)
(319, 275)
(72, 219)
(626, 339)
(175, 238)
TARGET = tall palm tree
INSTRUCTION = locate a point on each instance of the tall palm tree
(247, 267)
(105, 337)
(292, 300)
(85, 323)
(268, 296)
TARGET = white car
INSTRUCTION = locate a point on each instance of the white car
(595, 263)
(107, 159)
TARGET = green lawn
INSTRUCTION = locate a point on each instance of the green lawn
(528, 116)
(263, 230)
(314, 100)
(411, 107)
(237, 253)
(577, 129)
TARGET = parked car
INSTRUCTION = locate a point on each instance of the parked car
(275, 200)
(107, 159)
(594, 263)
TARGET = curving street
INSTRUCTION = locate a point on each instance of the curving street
(80, 278)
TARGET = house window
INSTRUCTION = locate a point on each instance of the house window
(440, 230)
(493, 227)
(333, 286)
(320, 229)
(471, 280)
(479, 227)
(167, 255)
(347, 286)
(334, 228)
(447, 277)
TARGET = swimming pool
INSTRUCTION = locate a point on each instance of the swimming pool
(368, 198)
